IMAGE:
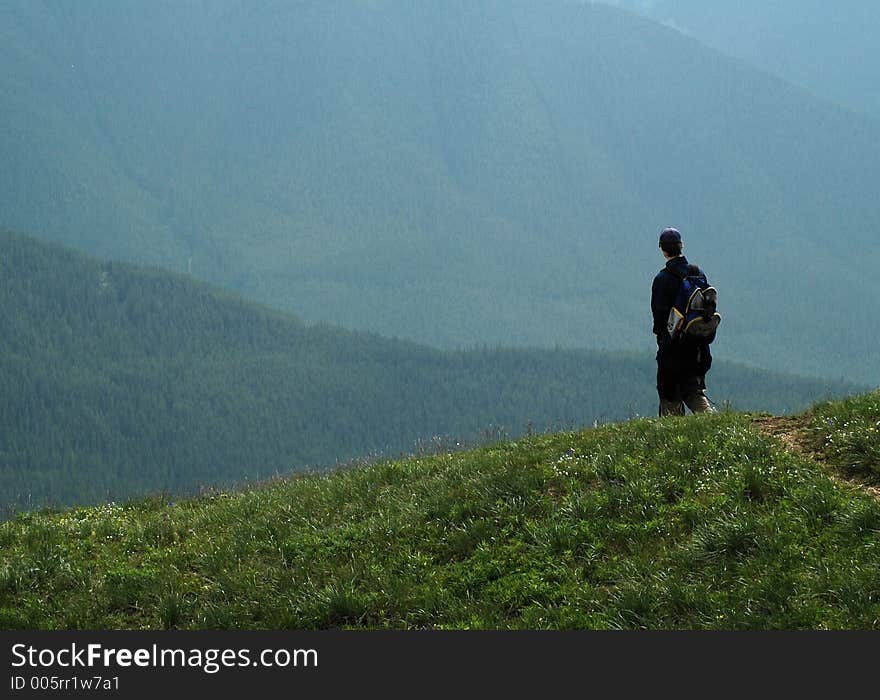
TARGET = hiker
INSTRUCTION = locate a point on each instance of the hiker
(682, 363)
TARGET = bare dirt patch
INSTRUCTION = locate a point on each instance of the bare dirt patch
(789, 430)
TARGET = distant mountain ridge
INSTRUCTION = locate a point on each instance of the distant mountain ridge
(119, 381)
(449, 172)
(827, 47)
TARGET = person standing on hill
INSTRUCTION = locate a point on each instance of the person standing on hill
(682, 363)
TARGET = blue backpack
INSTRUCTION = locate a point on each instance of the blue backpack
(694, 314)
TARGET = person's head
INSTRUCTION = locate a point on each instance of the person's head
(670, 242)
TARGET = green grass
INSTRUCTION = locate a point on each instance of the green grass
(692, 523)
(846, 433)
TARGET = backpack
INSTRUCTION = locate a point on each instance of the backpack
(693, 314)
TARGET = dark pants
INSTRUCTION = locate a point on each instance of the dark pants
(677, 389)
(681, 377)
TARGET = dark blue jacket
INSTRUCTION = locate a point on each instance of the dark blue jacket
(683, 356)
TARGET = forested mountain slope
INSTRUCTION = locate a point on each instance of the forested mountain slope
(118, 380)
(451, 172)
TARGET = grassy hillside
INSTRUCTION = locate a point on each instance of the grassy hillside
(443, 171)
(698, 523)
(847, 434)
(120, 380)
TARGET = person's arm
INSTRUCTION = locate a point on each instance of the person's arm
(660, 307)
